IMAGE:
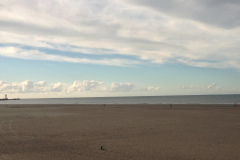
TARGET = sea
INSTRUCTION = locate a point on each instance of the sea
(183, 99)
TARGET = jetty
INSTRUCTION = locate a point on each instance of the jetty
(6, 98)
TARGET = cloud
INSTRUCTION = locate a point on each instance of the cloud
(183, 87)
(91, 88)
(30, 87)
(211, 86)
(96, 86)
(27, 86)
(15, 52)
(121, 87)
(195, 33)
(191, 87)
(150, 89)
(203, 88)
(6, 87)
(219, 88)
(86, 85)
(58, 87)
(214, 12)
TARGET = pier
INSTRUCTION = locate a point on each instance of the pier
(6, 98)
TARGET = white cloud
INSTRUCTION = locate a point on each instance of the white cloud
(30, 87)
(58, 87)
(219, 88)
(200, 89)
(15, 52)
(183, 87)
(121, 87)
(77, 88)
(10, 87)
(211, 86)
(86, 85)
(91, 88)
(191, 87)
(27, 86)
(158, 31)
(150, 89)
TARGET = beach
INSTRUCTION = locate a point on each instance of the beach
(138, 132)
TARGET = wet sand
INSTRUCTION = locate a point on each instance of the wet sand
(139, 132)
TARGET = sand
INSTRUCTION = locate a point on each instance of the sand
(139, 132)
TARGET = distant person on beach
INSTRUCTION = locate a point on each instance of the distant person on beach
(171, 105)
(235, 105)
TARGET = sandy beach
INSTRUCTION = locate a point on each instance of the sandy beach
(139, 132)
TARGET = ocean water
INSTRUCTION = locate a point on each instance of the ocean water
(193, 99)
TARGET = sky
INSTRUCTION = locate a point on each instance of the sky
(99, 48)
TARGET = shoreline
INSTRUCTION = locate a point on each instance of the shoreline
(153, 100)
(133, 105)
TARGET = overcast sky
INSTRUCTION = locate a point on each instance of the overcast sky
(75, 48)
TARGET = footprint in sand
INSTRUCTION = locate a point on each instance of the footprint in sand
(6, 127)
(1, 124)
(12, 130)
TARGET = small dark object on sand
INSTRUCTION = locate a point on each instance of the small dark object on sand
(102, 148)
